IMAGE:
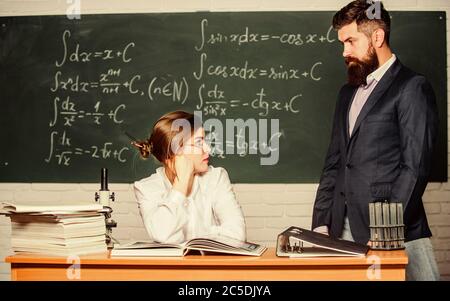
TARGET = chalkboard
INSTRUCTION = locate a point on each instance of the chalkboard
(71, 88)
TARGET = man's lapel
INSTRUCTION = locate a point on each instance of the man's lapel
(376, 94)
(348, 99)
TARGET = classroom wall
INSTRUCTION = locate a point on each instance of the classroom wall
(268, 208)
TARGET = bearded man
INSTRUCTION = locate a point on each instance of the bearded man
(384, 130)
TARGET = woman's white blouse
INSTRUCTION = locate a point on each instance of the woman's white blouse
(171, 217)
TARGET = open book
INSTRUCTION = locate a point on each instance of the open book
(220, 244)
(299, 242)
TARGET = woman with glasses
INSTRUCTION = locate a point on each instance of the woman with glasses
(185, 198)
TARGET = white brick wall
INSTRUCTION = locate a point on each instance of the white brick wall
(268, 208)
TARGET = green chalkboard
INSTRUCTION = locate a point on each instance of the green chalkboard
(71, 88)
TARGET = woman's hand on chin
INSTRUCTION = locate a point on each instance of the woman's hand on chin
(184, 174)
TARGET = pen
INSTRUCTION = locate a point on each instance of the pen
(134, 141)
(131, 137)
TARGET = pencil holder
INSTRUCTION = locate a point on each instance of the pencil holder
(386, 225)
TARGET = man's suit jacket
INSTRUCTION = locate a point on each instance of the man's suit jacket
(388, 156)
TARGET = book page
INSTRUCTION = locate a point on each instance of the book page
(225, 244)
(145, 245)
(318, 252)
(147, 248)
(22, 207)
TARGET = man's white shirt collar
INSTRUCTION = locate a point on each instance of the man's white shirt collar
(378, 74)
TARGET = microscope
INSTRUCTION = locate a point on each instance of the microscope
(104, 197)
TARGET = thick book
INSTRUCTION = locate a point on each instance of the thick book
(214, 244)
(43, 208)
(299, 242)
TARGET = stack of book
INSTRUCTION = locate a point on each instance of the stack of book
(61, 230)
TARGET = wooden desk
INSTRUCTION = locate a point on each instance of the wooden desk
(210, 267)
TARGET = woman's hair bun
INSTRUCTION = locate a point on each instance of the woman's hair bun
(144, 147)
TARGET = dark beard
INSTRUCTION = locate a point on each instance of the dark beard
(359, 70)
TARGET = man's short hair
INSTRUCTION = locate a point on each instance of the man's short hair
(367, 22)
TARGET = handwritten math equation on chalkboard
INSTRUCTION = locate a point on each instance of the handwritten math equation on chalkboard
(76, 92)
(200, 89)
